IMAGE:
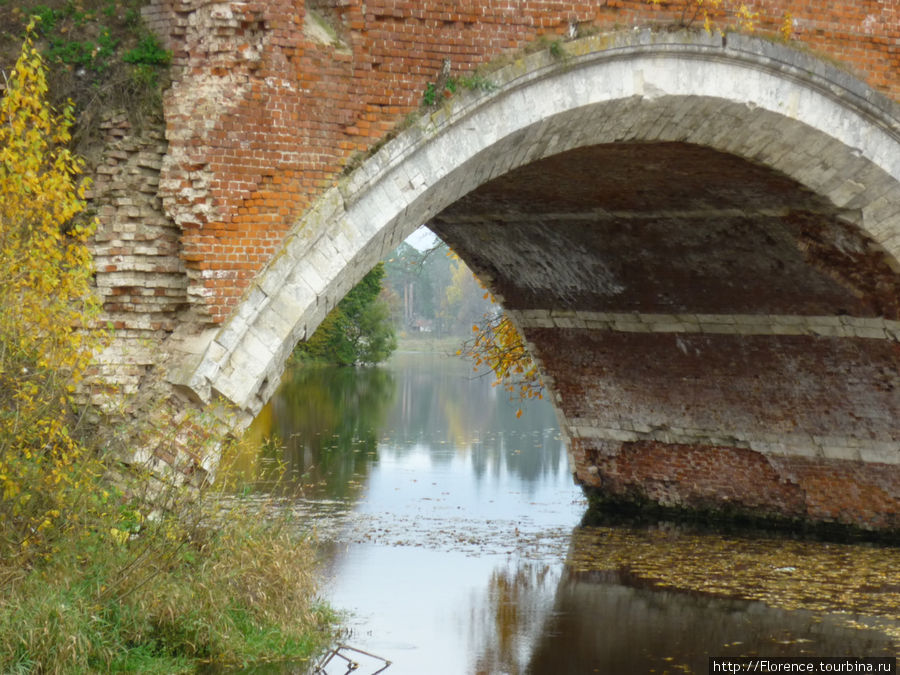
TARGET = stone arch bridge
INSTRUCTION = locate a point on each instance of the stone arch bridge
(697, 232)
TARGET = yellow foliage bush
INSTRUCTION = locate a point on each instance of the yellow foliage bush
(497, 344)
(46, 308)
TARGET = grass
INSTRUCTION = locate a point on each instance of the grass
(232, 589)
(101, 57)
(424, 342)
(125, 584)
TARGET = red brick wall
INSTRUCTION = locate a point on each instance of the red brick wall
(263, 118)
(740, 481)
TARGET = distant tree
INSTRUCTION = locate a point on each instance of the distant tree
(358, 330)
(420, 279)
(436, 277)
(402, 274)
(465, 300)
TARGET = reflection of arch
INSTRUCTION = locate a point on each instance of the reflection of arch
(740, 95)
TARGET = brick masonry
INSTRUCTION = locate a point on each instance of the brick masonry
(137, 252)
(752, 215)
(738, 482)
(265, 112)
(722, 344)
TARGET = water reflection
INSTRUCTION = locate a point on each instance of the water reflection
(317, 433)
(326, 426)
(442, 402)
(327, 420)
(510, 618)
(456, 547)
(665, 599)
(602, 623)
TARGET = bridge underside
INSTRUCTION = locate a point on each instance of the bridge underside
(716, 336)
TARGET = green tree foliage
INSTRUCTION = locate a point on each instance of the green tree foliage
(357, 331)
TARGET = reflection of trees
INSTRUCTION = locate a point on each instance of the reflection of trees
(635, 601)
(442, 401)
(326, 421)
(512, 616)
(638, 601)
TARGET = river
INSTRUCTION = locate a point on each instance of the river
(456, 542)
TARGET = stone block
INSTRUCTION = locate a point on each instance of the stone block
(881, 452)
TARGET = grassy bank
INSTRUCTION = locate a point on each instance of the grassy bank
(164, 599)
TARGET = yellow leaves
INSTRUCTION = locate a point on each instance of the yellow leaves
(498, 345)
(10, 489)
(118, 536)
(747, 19)
(46, 305)
(791, 574)
(711, 11)
(787, 26)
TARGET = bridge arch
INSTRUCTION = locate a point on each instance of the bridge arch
(744, 96)
(792, 121)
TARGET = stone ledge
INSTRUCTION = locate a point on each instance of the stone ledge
(771, 444)
(871, 328)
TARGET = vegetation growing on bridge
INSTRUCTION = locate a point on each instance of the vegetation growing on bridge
(735, 15)
(98, 54)
(443, 88)
(89, 580)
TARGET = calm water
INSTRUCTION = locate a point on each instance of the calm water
(453, 539)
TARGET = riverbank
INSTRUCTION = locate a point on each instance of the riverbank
(166, 594)
(425, 342)
(105, 567)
